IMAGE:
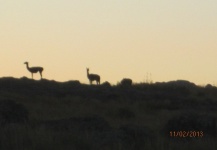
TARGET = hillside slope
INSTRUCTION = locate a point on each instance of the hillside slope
(52, 115)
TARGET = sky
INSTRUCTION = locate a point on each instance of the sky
(158, 40)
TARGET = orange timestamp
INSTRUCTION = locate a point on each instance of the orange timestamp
(184, 134)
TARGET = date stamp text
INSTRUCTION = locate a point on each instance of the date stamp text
(185, 134)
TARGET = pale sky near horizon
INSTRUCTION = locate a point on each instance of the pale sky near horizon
(168, 39)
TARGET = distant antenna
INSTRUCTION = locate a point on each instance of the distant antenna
(150, 81)
(148, 78)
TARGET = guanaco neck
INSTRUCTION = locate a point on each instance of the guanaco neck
(27, 66)
(88, 73)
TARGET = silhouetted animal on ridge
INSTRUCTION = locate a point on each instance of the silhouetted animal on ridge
(34, 69)
(93, 77)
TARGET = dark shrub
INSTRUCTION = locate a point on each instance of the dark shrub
(126, 82)
(73, 82)
(209, 86)
(12, 112)
(181, 83)
(106, 84)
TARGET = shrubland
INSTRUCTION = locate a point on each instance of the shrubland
(54, 115)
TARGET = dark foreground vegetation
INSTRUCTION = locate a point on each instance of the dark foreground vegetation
(176, 115)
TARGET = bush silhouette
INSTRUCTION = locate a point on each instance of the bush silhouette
(126, 82)
(106, 84)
